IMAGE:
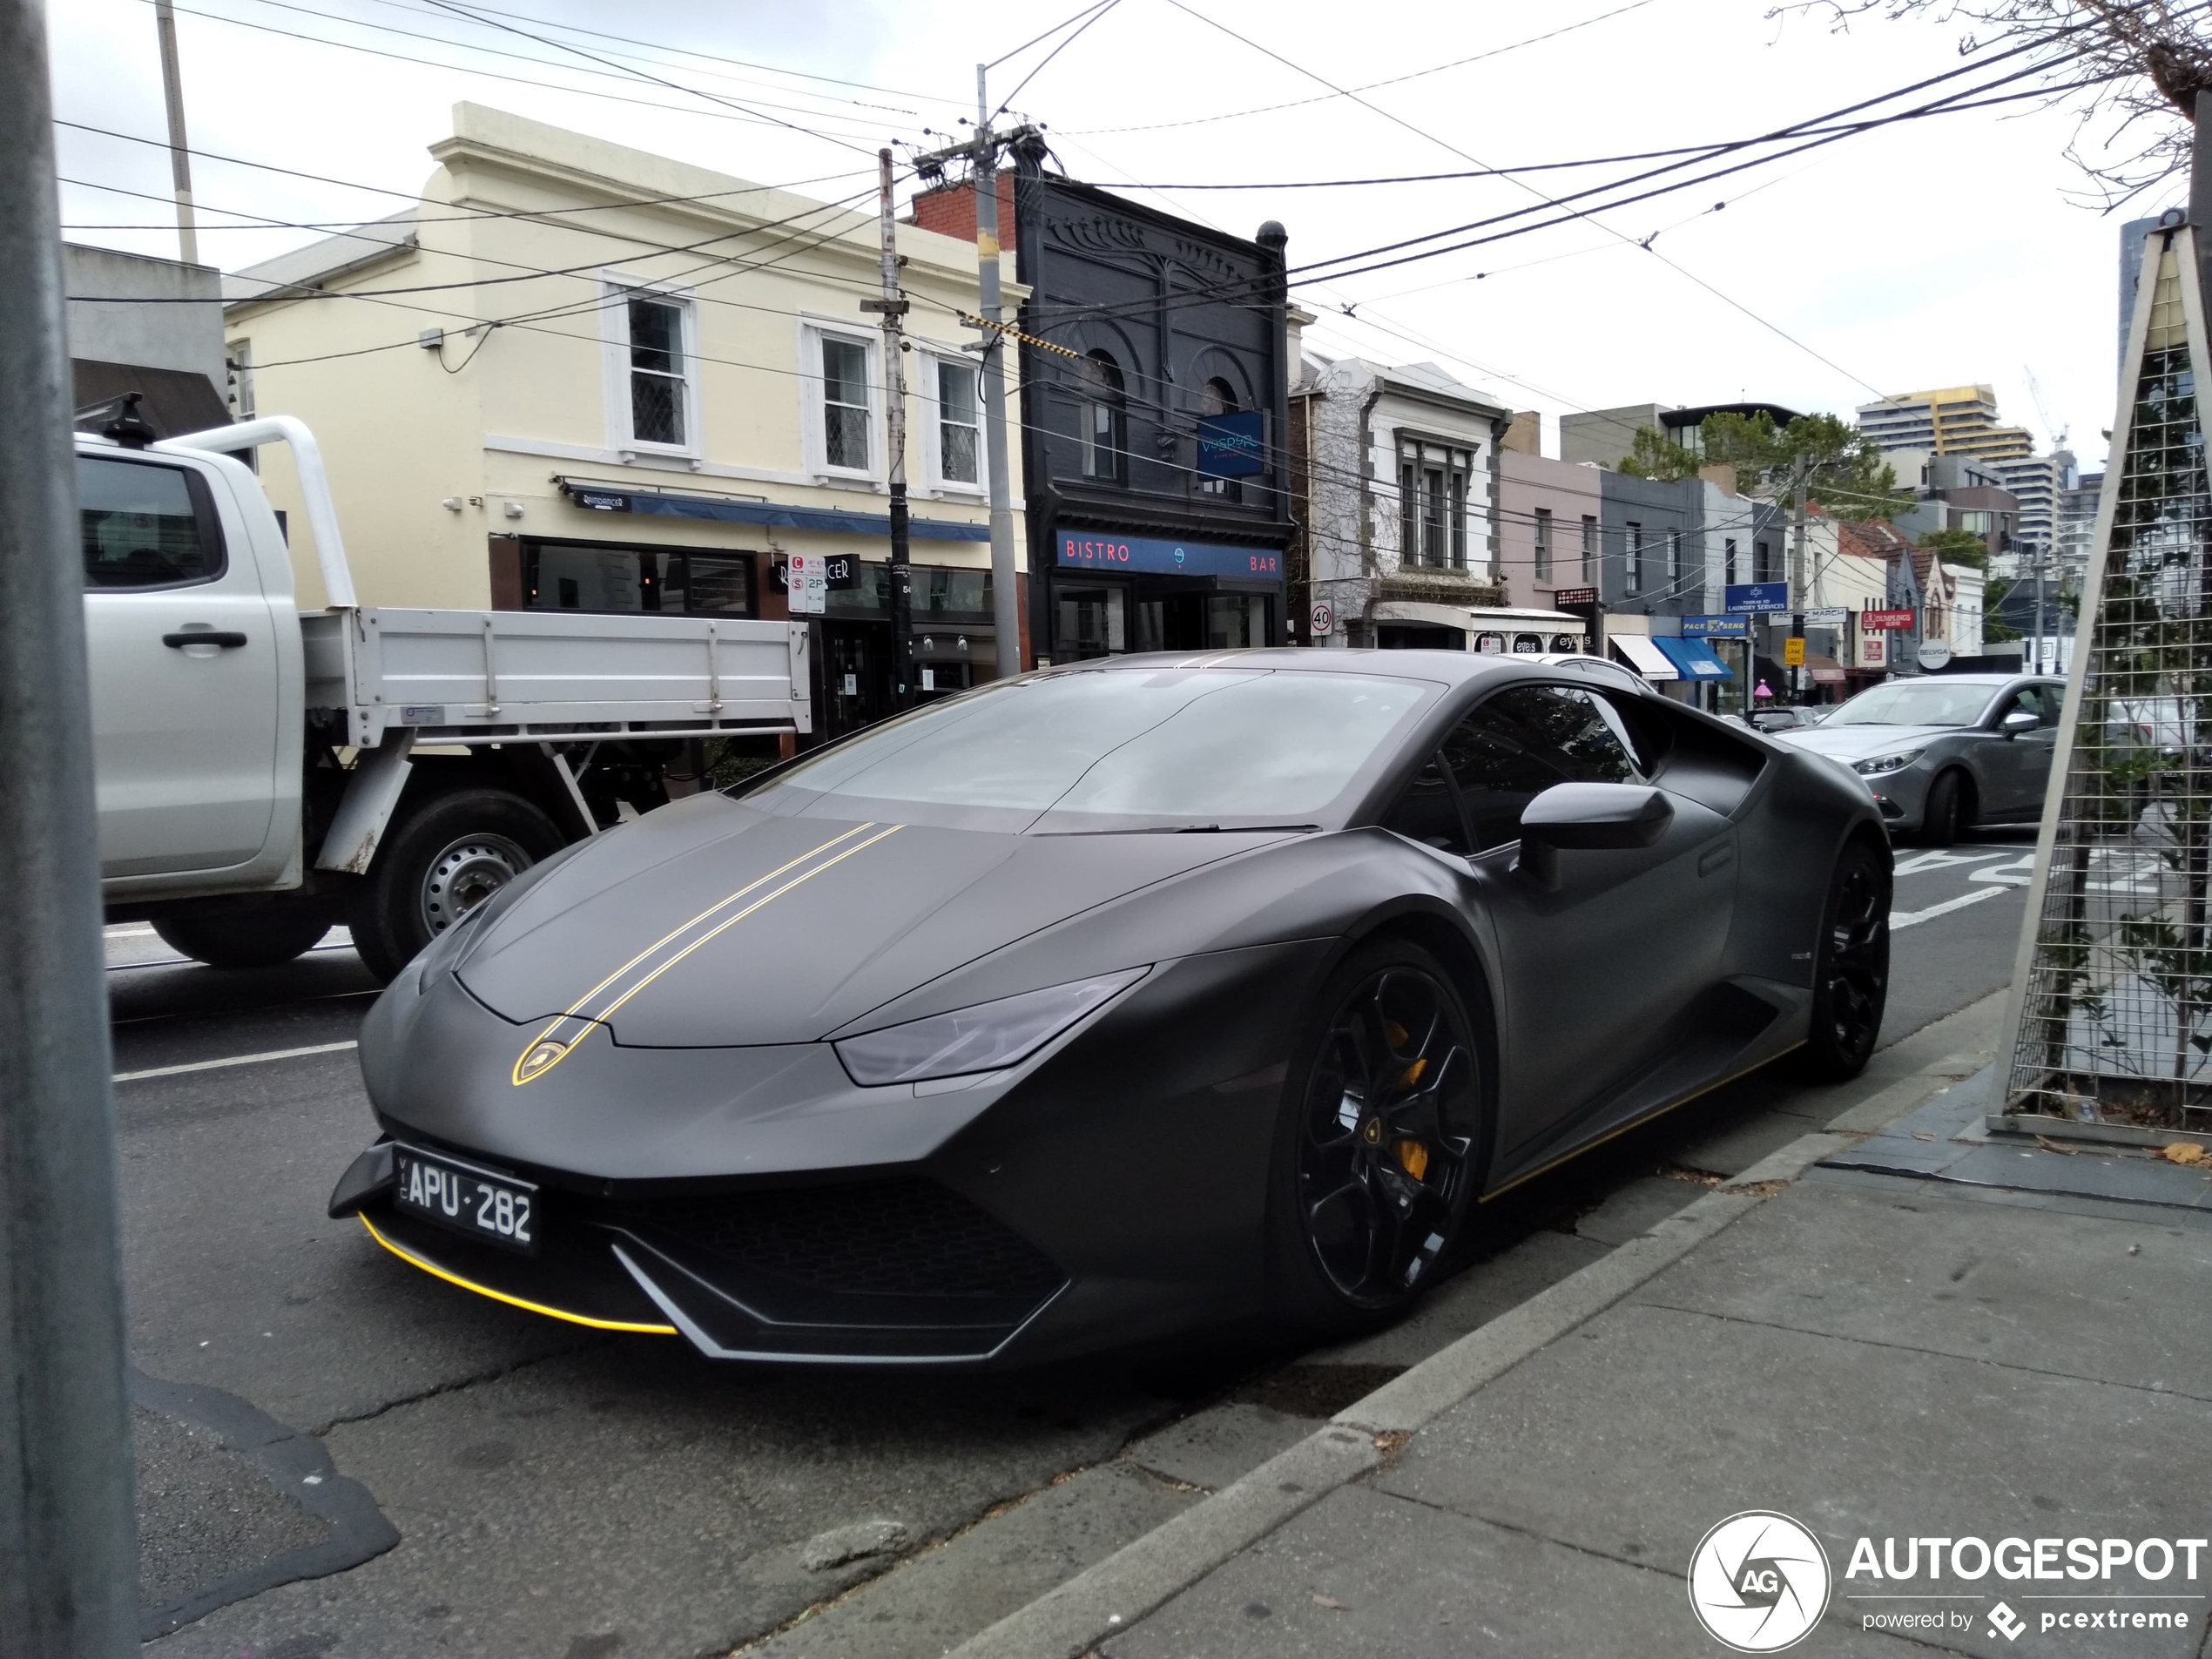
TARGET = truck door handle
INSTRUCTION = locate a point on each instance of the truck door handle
(227, 638)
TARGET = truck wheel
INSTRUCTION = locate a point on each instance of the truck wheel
(251, 936)
(446, 859)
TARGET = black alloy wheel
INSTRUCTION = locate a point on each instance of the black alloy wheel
(1387, 1117)
(1945, 814)
(1851, 967)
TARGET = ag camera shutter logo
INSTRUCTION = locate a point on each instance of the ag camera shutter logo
(1759, 1581)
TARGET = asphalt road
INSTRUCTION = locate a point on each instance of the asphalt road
(559, 1492)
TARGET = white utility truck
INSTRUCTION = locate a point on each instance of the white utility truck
(265, 773)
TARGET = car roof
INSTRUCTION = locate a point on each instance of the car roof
(1452, 667)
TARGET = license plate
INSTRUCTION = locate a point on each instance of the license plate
(495, 1208)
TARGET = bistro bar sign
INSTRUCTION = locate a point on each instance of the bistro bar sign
(1093, 551)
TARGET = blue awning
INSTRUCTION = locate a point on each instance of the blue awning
(1693, 657)
(835, 520)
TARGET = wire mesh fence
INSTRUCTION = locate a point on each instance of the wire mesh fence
(2116, 1009)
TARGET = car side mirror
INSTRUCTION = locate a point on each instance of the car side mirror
(2019, 721)
(1588, 818)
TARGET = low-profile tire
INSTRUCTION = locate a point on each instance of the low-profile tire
(447, 858)
(1850, 983)
(253, 935)
(1949, 810)
(1381, 1145)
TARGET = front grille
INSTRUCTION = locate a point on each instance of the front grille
(877, 1238)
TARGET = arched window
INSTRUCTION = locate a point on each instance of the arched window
(1218, 397)
(1105, 418)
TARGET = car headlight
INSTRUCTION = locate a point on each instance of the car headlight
(983, 1038)
(1875, 765)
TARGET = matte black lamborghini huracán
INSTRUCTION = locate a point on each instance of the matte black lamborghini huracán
(1111, 1002)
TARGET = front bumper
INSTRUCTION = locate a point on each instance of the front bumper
(1902, 796)
(878, 1271)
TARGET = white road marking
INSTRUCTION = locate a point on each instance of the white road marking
(234, 1060)
(1938, 859)
(2016, 874)
(1914, 918)
(130, 930)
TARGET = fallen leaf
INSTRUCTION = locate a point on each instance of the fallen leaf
(1919, 1134)
(1331, 1602)
(2184, 1152)
(2053, 1146)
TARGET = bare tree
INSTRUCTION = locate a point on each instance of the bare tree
(2131, 70)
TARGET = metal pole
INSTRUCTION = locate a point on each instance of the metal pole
(2040, 556)
(894, 427)
(69, 1567)
(172, 89)
(1797, 566)
(1006, 599)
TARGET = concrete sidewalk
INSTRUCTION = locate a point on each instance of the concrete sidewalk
(1879, 1355)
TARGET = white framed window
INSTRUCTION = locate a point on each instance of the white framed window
(840, 402)
(653, 375)
(1543, 545)
(957, 456)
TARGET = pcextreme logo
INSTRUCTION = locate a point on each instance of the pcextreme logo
(1758, 1581)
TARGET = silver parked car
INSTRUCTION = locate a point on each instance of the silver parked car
(1945, 751)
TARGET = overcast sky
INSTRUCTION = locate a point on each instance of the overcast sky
(1929, 252)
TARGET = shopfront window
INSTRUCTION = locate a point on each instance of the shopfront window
(959, 426)
(589, 576)
(845, 406)
(1432, 503)
(1089, 621)
(1105, 418)
(1218, 397)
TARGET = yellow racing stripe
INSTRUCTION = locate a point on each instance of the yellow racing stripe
(546, 1050)
(436, 1272)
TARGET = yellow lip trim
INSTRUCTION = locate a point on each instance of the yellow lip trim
(576, 1009)
(412, 1261)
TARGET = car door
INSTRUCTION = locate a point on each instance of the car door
(2014, 769)
(1598, 970)
(183, 657)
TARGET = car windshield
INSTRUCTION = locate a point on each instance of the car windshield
(1928, 702)
(1102, 748)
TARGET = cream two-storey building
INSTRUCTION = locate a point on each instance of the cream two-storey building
(578, 376)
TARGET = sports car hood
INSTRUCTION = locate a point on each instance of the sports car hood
(711, 924)
(1858, 742)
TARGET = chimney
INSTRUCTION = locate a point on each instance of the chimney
(1525, 434)
(950, 210)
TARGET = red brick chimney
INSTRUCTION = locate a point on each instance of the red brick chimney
(950, 210)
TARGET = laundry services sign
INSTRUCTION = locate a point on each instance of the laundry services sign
(1092, 550)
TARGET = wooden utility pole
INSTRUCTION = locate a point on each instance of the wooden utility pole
(895, 429)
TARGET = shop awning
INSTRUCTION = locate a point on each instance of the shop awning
(1826, 671)
(1693, 657)
(1645, 658)
(835, 520)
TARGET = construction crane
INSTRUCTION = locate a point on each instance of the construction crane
(2058, 434)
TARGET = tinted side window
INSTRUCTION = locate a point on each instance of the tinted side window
(142, 526)
(1519, 744)
(1429, 812)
